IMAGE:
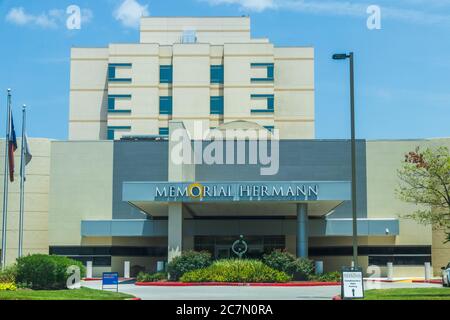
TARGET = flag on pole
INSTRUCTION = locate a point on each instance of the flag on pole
(27, 151)
(26, 154)
(12, 146)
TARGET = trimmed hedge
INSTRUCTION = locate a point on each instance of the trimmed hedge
(188, 261)
(44, 272)
(327, 277)
(297, 268)
(151, 277)
(236, 271)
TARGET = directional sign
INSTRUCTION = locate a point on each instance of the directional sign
(110, 279)
(352, 283)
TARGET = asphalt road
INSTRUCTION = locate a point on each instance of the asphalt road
(240, 293)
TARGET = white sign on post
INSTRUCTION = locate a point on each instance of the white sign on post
(352, 284)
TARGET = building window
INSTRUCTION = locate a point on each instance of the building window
(217, 74)
(165, 105)
(269, 103)
(112, 102)
(216, 105)
(112, 70)
(269, 128)
(163, 131)
(112, 130)
(165, 74)
(267, 68)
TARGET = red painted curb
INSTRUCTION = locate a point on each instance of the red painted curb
(338, 297)
(429, 281)
(235, 284)
(135, 299)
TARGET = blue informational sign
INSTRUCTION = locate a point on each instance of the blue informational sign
(110, 279)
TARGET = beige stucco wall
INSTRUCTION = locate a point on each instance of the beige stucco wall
(35, 202)
(384, 158)
(81, 176)
(440, 251)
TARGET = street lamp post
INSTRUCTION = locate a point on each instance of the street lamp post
(349, 56)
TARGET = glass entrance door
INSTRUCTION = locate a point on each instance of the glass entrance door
(222, 252)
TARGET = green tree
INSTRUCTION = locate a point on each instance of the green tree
(425, 181)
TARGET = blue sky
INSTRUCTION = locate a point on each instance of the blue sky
(402, 70)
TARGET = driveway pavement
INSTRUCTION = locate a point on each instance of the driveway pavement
(241, 293)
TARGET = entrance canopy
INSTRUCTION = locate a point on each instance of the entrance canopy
(250, 198)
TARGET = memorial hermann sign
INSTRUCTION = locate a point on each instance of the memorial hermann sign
(235, 191)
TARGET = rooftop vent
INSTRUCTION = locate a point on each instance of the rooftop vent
(189, 36)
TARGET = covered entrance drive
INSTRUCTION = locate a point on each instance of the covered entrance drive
(199, 201)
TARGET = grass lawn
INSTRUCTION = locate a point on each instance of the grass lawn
(409, 294)
(77, 294)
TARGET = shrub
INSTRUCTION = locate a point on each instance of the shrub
(8, 275)
(151, 277)
(188, 261)
(298, 268)
(236, 271)
(8, 286)
(44, 272)
(327, 277)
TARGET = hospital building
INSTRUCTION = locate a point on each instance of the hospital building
(116, 191)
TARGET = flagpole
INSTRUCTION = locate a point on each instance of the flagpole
(22, 181)
(5, 179)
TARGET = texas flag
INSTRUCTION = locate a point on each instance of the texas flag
(12, 146)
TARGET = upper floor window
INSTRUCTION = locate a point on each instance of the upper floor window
(262, 72)
(216, 105)
(115, 68)
(165, 74)
(165, 105)
(115, 99)
(164, 131)
(263, 103)
(112, 130)
(217, 74)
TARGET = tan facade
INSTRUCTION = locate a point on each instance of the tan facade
(271, 86)
(36, 200)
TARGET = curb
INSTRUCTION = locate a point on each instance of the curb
(99, 279)
(237, 284)
(428, 281)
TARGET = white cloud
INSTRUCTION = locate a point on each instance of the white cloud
(412, 11)
(129, 13)
(253, 5)
(51, 19)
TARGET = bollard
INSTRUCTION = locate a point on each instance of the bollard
(160, 266)
(88, 269)
(427, 271)
(126, 269)
(319, 267)
(390, 271)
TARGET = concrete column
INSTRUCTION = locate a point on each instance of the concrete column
(302, 230)
(175, 230)
(126, 269)
(89, 269)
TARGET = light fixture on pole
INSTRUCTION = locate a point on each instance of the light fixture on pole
(344, 56)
